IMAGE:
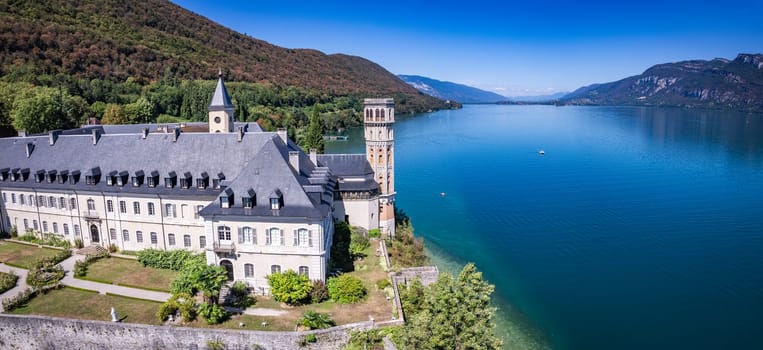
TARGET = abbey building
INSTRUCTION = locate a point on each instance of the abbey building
(251, 201)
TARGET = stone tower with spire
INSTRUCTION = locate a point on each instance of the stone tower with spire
(220, 109)
(379, 115)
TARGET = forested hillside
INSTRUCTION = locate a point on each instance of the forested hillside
(141, 60)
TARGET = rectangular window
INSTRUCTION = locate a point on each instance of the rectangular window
(274, 204)
(187, 241)
(76, 230)
(5, 197)
(169, 211)
(139, 236)
(198, 210)
(153, 238)
(62, 203)
(52, 201)
(73, 204)
(90, 204)
(41, 201)
(171, 239)
(13, 198)
(275, 269)
(26, 224)
(110, 206)
(136, 208)
(305, 271)
(122, 207)
(113, 234)
(151, 209)
(35, 225)
(66, 229)
(248, 270)
(21, 199)
(55, 227)
(44, 226)
(202, 242)
(125, 235)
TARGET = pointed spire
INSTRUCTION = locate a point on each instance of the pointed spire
(220, 99)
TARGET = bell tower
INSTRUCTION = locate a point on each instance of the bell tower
(379, 116)
(220, 109)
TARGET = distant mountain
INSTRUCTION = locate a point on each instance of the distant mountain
(451, 91)
(156, 39)
(718, 84)
(539, 98)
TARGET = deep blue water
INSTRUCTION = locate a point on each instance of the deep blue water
(639, 228)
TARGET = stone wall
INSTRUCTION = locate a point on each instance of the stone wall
(40, 332)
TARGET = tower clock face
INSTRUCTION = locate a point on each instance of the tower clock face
(217, 120)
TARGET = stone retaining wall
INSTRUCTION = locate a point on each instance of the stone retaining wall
(40, 332)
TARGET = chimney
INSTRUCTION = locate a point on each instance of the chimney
(284, 135)
(96, 136)
(22, 133)
(144, 133)
(314, 156)
(29, 149)
(175, 134)
(294, 160)
(240, 133)
(53, 136)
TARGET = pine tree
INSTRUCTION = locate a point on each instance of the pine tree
(314, 134)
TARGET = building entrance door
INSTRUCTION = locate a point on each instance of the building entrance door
(228, 268)
(94, 237)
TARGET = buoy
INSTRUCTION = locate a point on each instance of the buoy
(542, 152)
(442, 194)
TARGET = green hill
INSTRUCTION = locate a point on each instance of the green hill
(717, 84)
(149, 40)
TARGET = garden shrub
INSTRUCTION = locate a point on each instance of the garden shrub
(289, 287)
(383, 283)
(78, 243)
(315, 320)
(212, 313)
(19, 300)
(358, 245)
(80, 267)
(242, 297)
(113, 248)
(7, 281)
(169, 259)
(319, 293)
(346, 289)
(169, 307)
(374, 233)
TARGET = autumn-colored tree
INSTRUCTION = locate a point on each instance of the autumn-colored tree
(114, 114)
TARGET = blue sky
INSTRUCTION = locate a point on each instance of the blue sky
(513, 48)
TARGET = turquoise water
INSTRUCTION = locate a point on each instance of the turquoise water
(639, 228)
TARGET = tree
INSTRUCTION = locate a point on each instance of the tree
(46, 109)
(289, 287)
(456, 314)
(114, 114)
(340, 248)
(314, 134)
(140, 111)
(209, 281)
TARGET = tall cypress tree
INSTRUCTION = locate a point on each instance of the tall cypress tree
(314, 134)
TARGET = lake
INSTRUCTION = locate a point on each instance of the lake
(638, 228)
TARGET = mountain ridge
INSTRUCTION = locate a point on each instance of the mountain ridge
(451, 91)
(716, 84)
(153, 39)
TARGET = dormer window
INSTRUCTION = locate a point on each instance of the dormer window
(216, 183)
(51, 176)
(4, 173)
(153, 180)
(38, 177)
(186, 180)
(137, 179)
(226, 198)
(93, 177)
(111, 178)
(122, 178)
(62, 176)
(249, 200)
(74, 177)
(276, 200)
(170, 180)
(203, 181)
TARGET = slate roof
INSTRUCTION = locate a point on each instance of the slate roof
(138, 128)
(220, 99)
(259, 162)
(346, 164)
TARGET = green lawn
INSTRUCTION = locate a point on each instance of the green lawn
(22, 255)
(79, 304)
(128, 272)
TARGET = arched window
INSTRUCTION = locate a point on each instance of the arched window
(62, 202)
(52, 201)
(171, 239)
(187, 241)
(125, 235)
(113, 234)
(90, 204)
(41, 201)
(32, 203)
(248, 271)
(248, 236)
(305, 271)
(73, 204)
(151, 209)
(223, 233)
(274, 236)
(302, 237)
(139, 236)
